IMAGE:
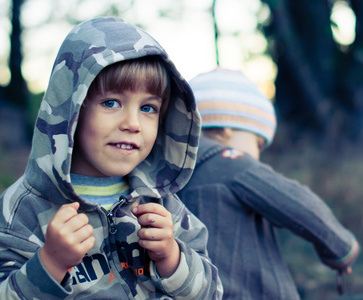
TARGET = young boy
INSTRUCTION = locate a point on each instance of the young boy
(241, 200)
(95, 215)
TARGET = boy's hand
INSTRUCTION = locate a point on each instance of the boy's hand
(157, 236)
(68, 238)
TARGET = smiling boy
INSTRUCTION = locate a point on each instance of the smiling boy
(129, 128)
(95, 215)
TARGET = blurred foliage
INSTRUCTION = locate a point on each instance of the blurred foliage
(335, 174)
(319, 82)
(318, 99)
(8, 177)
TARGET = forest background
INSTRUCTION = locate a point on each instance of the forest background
(307, 56)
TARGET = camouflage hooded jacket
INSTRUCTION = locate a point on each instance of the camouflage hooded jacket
(116, 267)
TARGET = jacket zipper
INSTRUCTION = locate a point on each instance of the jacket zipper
(110, 214)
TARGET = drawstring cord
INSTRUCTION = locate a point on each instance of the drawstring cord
(340, 282)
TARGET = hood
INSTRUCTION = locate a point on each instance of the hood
(87, 49)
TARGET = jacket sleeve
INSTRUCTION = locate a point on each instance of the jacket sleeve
(22, 274)
(286, 203)
(196, 277)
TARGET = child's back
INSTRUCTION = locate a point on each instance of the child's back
(241, 200)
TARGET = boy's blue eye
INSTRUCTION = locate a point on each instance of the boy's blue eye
(148, 108)
(111, 103)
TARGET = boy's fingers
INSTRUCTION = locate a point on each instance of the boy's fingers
(68, 209)
(155, 234)
(88, 243)
(64, 214)
(150, 245)
(76, 222)
(150, 208)
(84, 233)
(149, 220)
(154, 220)
(73, 205)
(151, 234)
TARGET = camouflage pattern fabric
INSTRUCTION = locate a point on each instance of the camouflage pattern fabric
(116, 267)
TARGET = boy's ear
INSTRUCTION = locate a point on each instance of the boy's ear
(227, 133)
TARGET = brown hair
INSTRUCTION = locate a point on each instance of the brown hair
(149, 73)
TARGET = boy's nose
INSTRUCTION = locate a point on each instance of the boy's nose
(130, 121)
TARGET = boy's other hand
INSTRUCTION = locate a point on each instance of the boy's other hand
(68, 238)
(157, 236)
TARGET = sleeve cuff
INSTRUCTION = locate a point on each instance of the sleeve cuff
(345, 261)
(176, 280)
(36, 282)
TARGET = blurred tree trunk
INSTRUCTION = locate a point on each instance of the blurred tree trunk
(318, 87)
(16, 91)
(14, 132)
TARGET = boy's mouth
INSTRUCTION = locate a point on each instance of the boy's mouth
(125, 146)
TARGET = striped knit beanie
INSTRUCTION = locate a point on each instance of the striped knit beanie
(229, 99)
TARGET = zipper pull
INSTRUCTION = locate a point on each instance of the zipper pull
(111, 223)
(121, 200)
(109, 214)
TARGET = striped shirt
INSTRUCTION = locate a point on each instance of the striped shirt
(102, 190)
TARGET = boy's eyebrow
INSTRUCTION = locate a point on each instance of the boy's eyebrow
(155, 98)
(151, 97)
